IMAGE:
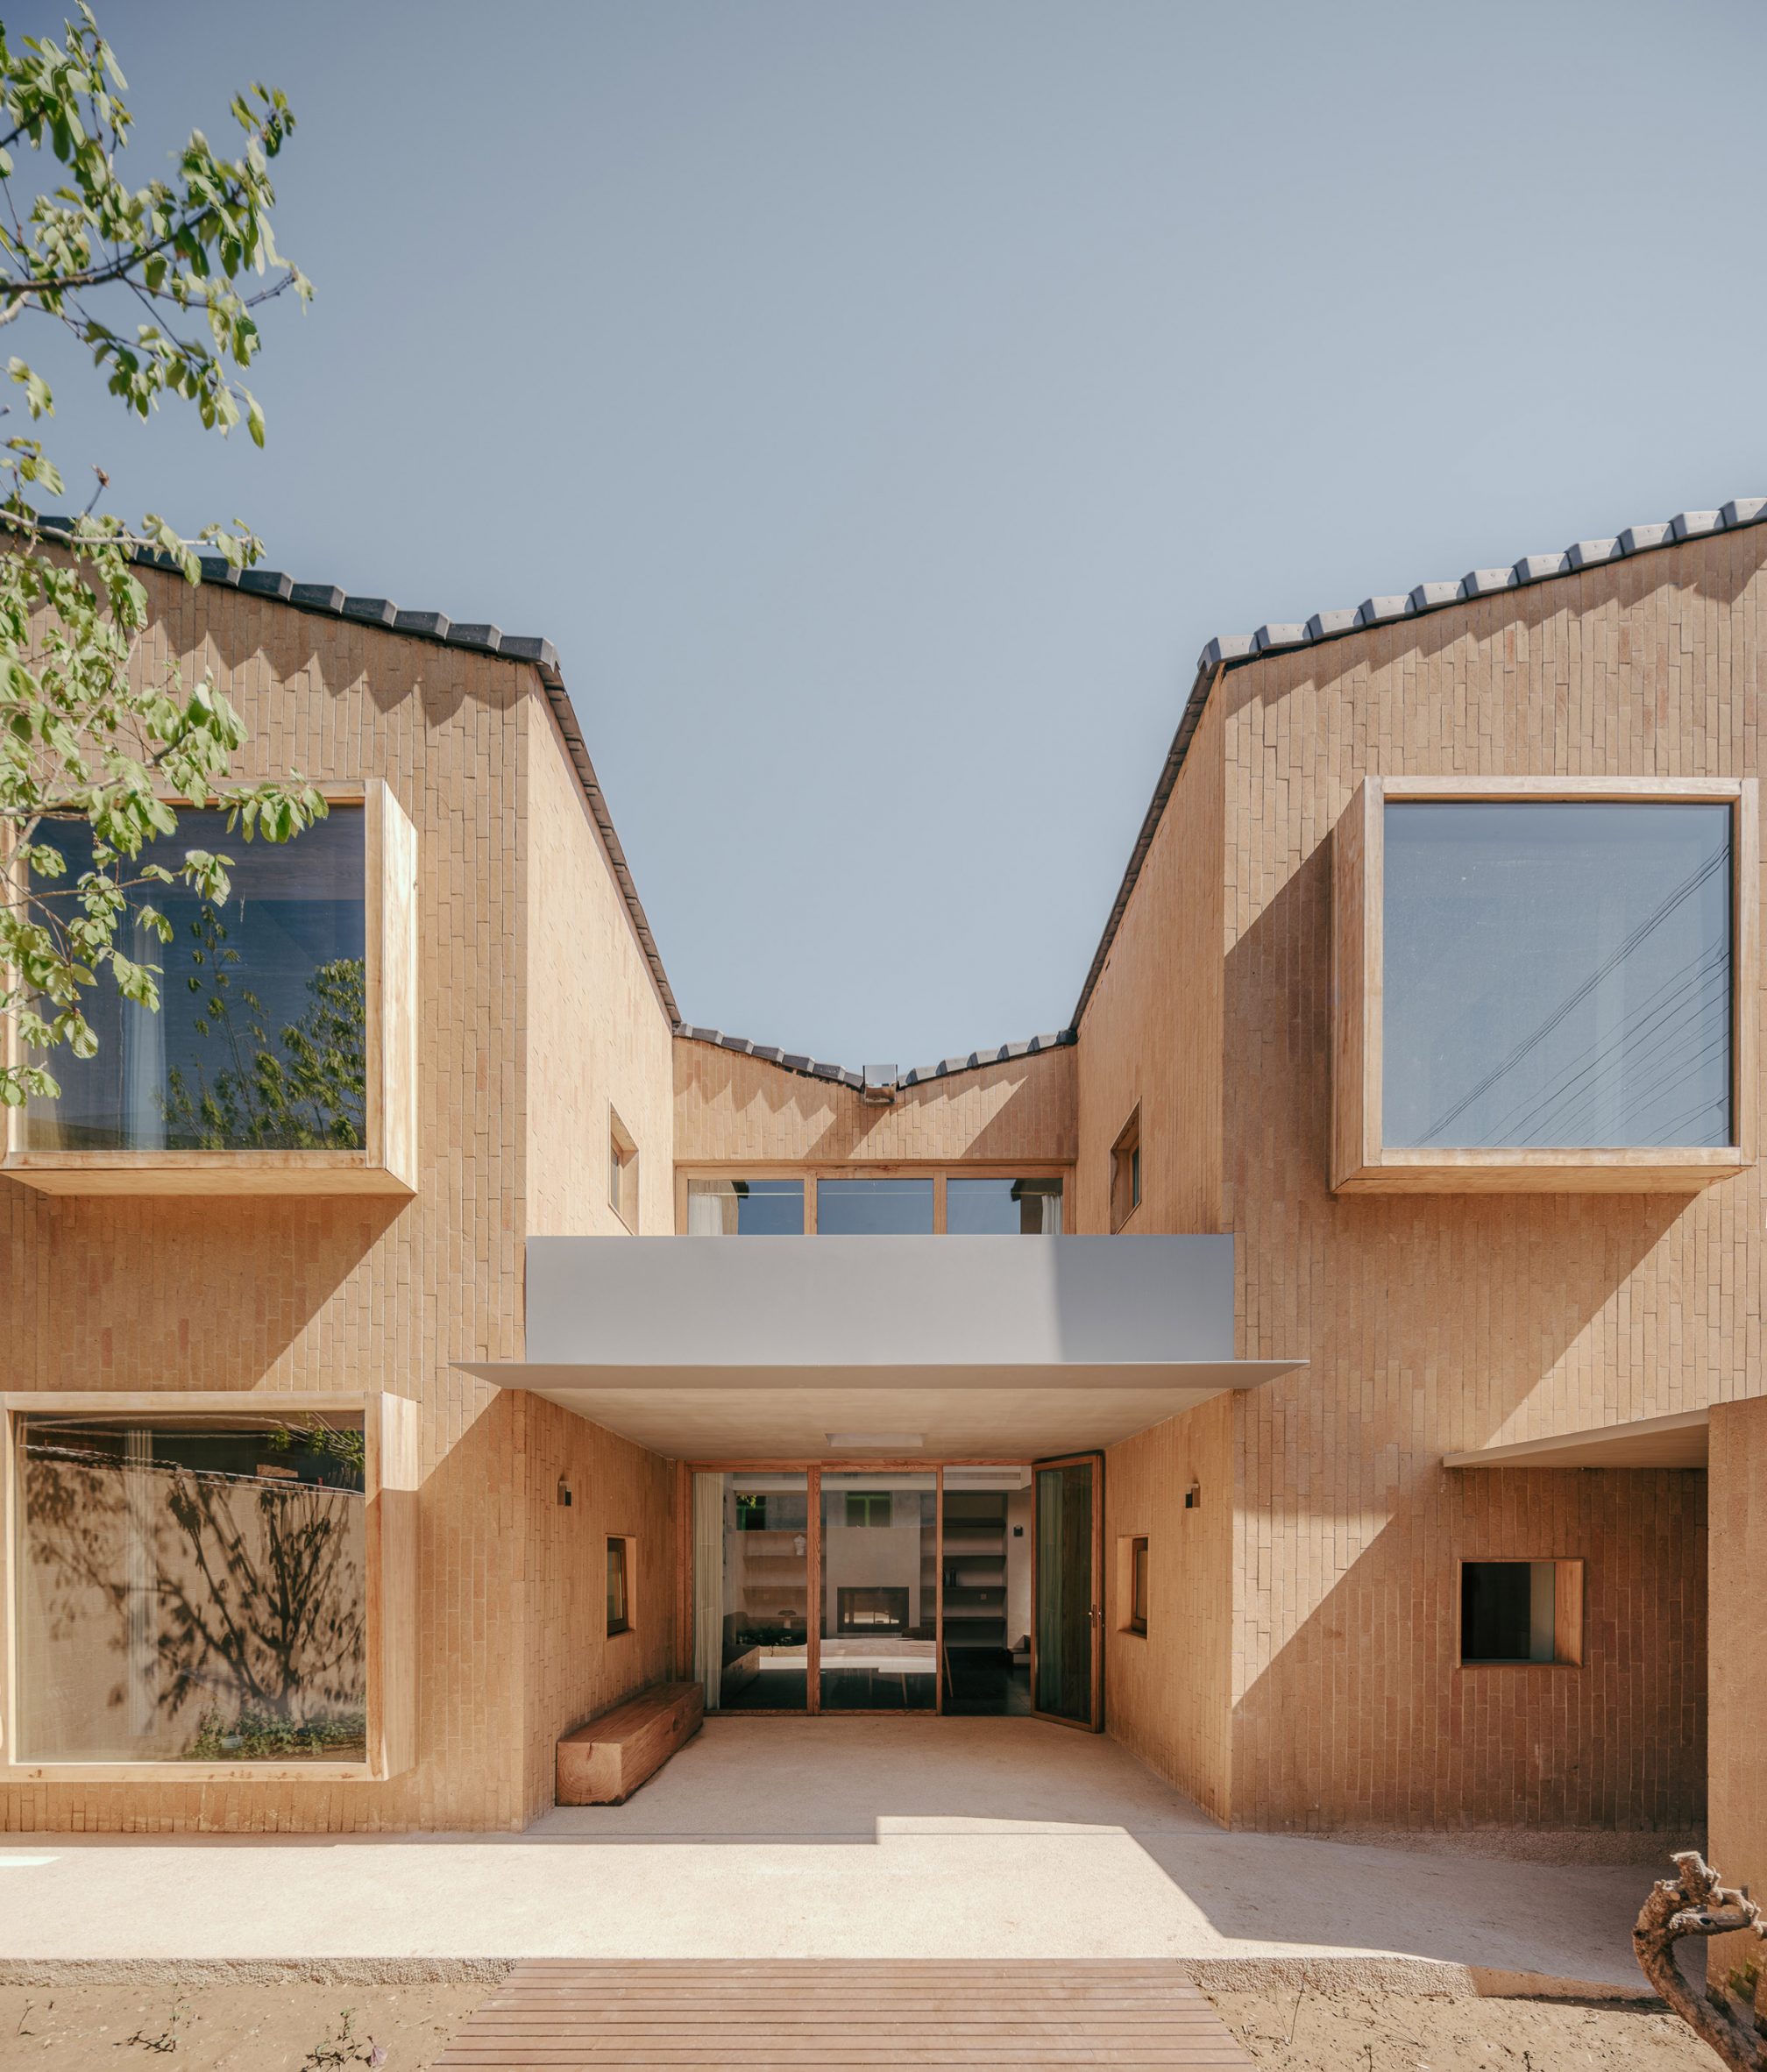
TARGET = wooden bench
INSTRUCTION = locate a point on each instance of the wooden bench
(603, 1763)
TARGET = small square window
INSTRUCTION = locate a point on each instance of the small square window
(619, 1588)
(622, 1171)
(867, 1507)
(1125, 1172)
(1521, 1612)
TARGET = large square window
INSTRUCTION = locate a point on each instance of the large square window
(209, 1588)
(1537, 985)
(282, 1055)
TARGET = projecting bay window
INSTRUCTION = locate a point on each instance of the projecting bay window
(209, 1587)
(1542, 984)
(282, 1057)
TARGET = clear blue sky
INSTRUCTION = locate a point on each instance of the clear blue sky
(880, 401)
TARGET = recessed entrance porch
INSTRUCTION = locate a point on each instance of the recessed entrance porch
(975, 1588)
(842, 1405)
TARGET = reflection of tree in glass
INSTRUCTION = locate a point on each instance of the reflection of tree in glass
(306, 1091)
(254, 1596)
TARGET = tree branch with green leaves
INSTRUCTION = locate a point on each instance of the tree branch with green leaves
(157, 284)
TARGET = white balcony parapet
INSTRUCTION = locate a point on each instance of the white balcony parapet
(748, 1348)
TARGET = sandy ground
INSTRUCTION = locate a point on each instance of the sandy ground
(1343, 2030)
(244, 2028)
(330, 2028)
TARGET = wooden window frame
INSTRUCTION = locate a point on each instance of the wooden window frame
(627, 1547)
(1569, 1591)
(389, 1424)
(811, 1171)
(387, 1163)
(622, 1171)
(1128, 1176)
(1129, 1545)
(1361, 1163)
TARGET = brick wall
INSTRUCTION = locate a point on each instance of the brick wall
(1434, 1323)
(375, 1292)
(1738, 1476)
(730, 1108)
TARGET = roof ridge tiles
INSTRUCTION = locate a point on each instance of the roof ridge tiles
(326, 600)
(1229, 647)
(1228, 651)
(808, 1068)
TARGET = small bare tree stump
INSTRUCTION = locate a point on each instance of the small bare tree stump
(1694, 1903)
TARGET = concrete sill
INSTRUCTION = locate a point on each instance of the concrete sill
(188, 1773)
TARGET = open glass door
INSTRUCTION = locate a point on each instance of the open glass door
(1067, 1622)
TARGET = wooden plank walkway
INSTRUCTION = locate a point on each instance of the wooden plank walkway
(829, 2013)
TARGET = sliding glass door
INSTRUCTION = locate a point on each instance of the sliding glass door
(879, 1640)
(751, 1591)
(825, 1590)
(1068, 1620)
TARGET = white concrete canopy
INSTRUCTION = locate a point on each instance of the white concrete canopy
(787, 1348)
(1677, 1441)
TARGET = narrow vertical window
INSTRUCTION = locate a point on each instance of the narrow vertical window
(1125, 1172)
(622, 1171)
(1138, 1587)
(619, 1589)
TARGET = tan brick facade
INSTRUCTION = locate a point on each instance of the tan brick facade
(1300, 1668)
(1439, 1322)
(341, 1294)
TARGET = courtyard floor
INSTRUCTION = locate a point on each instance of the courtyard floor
(839, 1838)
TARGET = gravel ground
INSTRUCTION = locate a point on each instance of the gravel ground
(1345, 2029)
(297, 2027)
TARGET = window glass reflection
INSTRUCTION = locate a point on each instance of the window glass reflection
(745, 1208)
(880, 1592)
(751, 1591)
(260, 1042)
(191, 1593)
(1557, 973)
(874, 1208)
(1003, 1208)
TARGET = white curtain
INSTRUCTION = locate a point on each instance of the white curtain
(711, 1209)
(708, 1586)
(144, 1059)
(1052, 1216)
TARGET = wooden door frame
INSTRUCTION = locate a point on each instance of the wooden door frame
(813, 1471)
(1095, 1610)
